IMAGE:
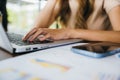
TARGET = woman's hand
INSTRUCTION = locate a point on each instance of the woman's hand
(45, 18)
(54, 34)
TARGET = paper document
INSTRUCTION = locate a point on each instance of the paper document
(59, 63)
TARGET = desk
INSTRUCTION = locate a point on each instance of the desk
(4, 55)
(59, 63)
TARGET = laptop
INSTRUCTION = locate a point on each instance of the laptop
(13, 43)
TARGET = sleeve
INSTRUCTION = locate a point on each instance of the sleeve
(110, 4)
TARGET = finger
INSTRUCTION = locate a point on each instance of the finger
(45, 37)
(27, 36)
(37, 34)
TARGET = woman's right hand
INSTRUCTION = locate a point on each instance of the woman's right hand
(45, 33)
(30, 33)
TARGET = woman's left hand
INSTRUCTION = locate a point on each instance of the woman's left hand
(54, 34)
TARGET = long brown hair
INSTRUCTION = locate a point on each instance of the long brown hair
(84, 11)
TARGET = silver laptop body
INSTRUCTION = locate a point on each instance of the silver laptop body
(13, 48)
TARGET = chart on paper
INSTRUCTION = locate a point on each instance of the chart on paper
(50, 65)
(14, 74)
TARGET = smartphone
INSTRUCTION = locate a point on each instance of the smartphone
(97, 50)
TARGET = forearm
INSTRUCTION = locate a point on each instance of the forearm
(96, 35)
(45, 15)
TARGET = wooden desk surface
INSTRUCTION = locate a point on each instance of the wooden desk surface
(4, 55)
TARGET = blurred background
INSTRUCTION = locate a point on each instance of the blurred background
(22, 14)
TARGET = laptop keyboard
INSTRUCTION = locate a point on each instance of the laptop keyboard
(17, 39)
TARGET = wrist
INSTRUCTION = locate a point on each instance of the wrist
(71, 33)
(76, 33)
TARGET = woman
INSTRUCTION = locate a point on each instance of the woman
(93, 20)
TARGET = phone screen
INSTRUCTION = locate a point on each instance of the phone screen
(97, 48)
